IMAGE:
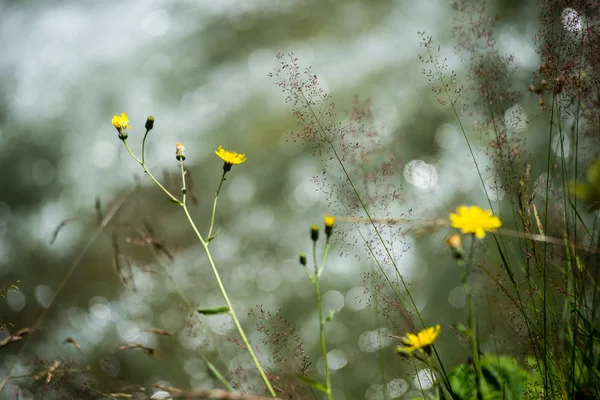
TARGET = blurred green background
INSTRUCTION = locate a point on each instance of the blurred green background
(200, 68)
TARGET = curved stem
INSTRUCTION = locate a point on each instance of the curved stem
(144, 147)
(228, 302)
(151, 176)
(131, 153)
(214, 210)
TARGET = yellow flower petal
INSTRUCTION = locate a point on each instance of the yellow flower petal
(474, 220)
(230, 157)
(120, 122)
(420, 340)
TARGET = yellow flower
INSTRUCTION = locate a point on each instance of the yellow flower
(329, 220)
(230, 158)
(179, 152)
(474, 220)
(314, 233)
(421, 340)
(121, 122)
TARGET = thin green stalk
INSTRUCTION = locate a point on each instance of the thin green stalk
(472, 327)
(183, 185)
(318, 271)
(173, 198)
(212, 265)
(544, 272)
(228, 302)
(214, 210)
(192, 310)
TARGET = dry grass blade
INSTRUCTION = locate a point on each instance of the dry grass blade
(107, 218)
(19, 335)
(210, 394)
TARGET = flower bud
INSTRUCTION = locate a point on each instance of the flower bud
(303, 259)
(314, 233)
(455, 243)
(329, 221)
(149, 123)
(180, 152)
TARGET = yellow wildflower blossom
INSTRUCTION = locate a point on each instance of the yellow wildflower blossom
(421, 340)
(230, 158)
(121, 122)
(179, 152)
(474, 220)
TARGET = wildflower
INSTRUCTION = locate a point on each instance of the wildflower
(314, 233)
(149, 123)
(122, 124)
(455, 243)
(329, 221)
(474, 220)
(230, 158)
(180, 152)
(422, 340)
(303, 259)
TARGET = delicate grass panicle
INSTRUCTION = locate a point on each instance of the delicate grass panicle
(358, 169)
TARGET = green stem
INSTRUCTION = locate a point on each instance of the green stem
(183, 187)
(191, 311)
(144, 147)
(228, 302)
(318, 271)
(472, 328)
(212, 265)
(150, 175)
(214, 210)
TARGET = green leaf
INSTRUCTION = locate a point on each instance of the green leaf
(503, 379)
(173, 201)
(330, 316)
(212, 237)
(213, 311)
(311, 382)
